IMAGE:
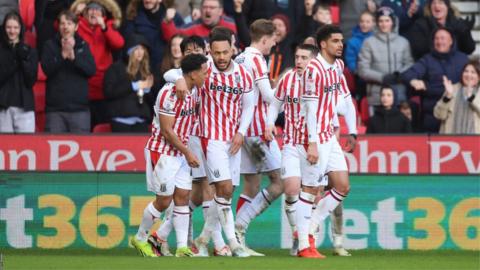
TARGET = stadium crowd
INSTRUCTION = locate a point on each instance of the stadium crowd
(102, 64)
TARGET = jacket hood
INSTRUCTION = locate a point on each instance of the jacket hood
(4, 37)
(111, 7)
(133, 40)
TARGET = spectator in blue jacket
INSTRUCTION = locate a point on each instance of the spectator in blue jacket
(363, 30)
(426, 75)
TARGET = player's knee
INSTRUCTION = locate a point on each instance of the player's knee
(343, 188)
(291, 190)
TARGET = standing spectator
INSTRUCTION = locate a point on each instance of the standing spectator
(144, 17)
(315, 16)
(7, 6)
(281, 56)
(459, 108)
(97, 26)
(383, 57)
(426, 75)
(350, 11)
(173, 54)
(68, 63)
(387, 118)
(128, 83)
(407, 12)
(439, 13)
(211, 16)
(46, 14)
(363, 30)
(18, 72)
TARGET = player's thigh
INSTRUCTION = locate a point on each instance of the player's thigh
(292, 185)
(161, 173)
(337, 168)
(220, 164)
(290, 167)
(247, 161)
(195, 145)
(273, 156)
(311, 173)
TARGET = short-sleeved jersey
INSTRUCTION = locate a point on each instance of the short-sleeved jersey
(221, 102)
(255, 63)
(326, 83)
(289, 91)
(185, 113)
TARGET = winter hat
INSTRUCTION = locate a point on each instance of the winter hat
(95, 5)
(284, 19)
(385, 11)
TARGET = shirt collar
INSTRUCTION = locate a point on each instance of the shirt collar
(324, 63)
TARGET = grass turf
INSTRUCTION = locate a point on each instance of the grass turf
(276, 259)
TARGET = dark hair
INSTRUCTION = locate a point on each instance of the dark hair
(220, 2)
(194, 40)
(313, 49)
(404, 105)
(318, 6)
(260, 28)
(385, 86)
(192, 62)
(12, 15)
(475, 63)
(69, 15)
(220, 33)
(325, 32)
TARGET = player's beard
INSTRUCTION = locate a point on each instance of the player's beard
(223, 69)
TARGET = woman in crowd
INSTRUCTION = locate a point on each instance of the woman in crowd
(459, 108)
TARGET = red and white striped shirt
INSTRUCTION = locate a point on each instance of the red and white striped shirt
(324, 82)
(289, 92)
(255, 63)
(221, 102)
(185, 113)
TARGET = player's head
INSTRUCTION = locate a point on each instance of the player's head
(221, 47)
(303, 54)
(192, 44)
(262, 33)
(195, 69)
(330, 40)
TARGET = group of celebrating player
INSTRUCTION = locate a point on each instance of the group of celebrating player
(214, 121)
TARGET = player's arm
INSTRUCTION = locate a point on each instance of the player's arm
(274, 109)
(310, 104)
(248, 106)
(172, 75)
(167, 121)
(347, 108)
(265, 88)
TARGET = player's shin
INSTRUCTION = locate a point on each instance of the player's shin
(304, 212)
(150, 214)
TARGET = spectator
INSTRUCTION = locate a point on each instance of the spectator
(387, 118)
(459, 108)
(439, 13)
(281, 56)
(211, 16)
(46, 14)
(425, 76)
(18, 72)
(407, 12)
(350, 11)
(383, 57)
(406, 110)
(363, 30)
(68, 63)
(315, 16)
(144, 17)
(128, 83)
(97, 26)
(7, 6)
(173, 55)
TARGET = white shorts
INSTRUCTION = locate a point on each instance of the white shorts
(195, 145)
(220, 165)
(330, 158)
(290, 161)
(259, 156)
(164, 173)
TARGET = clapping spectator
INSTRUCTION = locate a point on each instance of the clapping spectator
(18, 72)
(68, 64)
(128, 84)
(439, 13)
(387, 118)
(426, 75)
(459, 108)
(383, 57)
(98, 25)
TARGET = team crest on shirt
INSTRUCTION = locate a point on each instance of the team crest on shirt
(216, 173)
(169, 102)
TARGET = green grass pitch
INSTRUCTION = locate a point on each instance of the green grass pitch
(276, 259)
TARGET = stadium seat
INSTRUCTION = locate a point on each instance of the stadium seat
(102, 128)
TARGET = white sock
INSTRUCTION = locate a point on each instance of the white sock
(167, 226)
(314, 222)
(210, 216)
(149, 215)
(326, 205)
(192, 207)
(251, 210)
(180, 219)
(225, 215)
(304, 213)
(290, 211)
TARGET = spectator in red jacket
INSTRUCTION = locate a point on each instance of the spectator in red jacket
(211, 16)
(98, 25)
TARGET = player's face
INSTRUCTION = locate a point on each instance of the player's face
(200, 75)
(387, 98)
(302, 57)
(333, 46)
(269, 42)
(193, 48)
(222, 53)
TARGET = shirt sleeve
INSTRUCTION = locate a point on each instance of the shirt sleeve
(168, 103)
(311, 83)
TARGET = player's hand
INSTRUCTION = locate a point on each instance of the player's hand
(312, 153)
(181, 88)
(270, 133)
(350, 144)
(236, 143)
(192, 160)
